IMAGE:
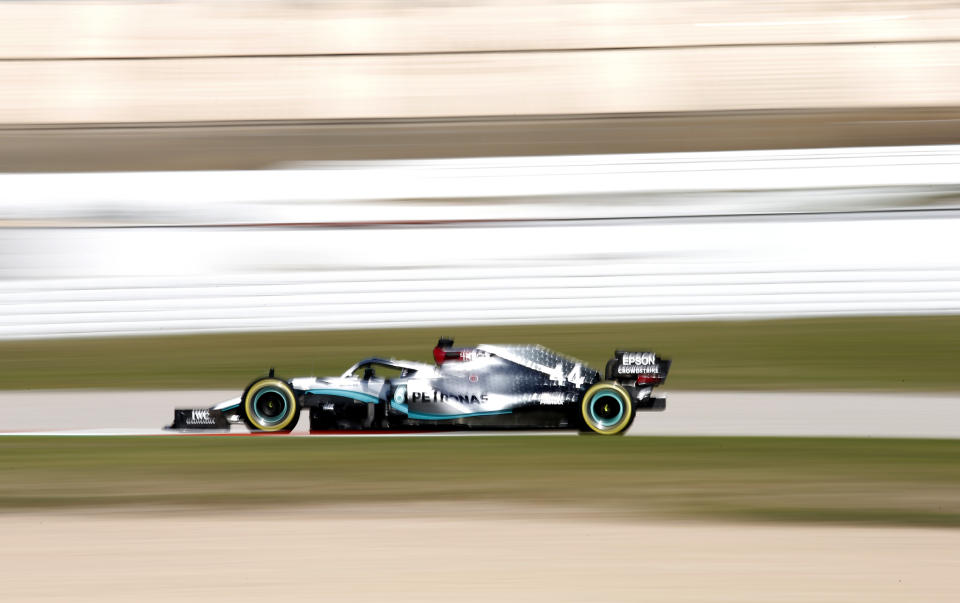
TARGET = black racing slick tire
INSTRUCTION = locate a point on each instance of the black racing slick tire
(606, 409)
(269, 405)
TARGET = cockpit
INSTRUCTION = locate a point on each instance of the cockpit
(382, 368)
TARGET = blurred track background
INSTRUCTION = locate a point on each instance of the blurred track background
(197, 61)
(194, 191)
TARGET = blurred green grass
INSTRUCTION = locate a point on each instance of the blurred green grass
(872, 353)
(870, 481)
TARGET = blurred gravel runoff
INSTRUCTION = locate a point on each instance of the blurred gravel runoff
(398, 553)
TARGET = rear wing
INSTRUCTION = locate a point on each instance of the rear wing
(637, 368)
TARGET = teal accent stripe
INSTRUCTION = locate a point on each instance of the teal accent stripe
(431, 417)
(345, 393)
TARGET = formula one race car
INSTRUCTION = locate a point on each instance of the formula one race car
(484, 387)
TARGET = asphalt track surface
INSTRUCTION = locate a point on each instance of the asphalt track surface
(243, 145)
(808, 414)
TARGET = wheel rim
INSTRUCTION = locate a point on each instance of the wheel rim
(270, 406)
(606, 409)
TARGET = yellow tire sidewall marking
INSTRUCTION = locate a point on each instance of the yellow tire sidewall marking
(251, 396)
(620, 391)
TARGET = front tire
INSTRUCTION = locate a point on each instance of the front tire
(269, 405)
(607, 409)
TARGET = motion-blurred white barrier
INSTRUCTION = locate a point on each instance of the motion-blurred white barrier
(559, 239)
(145, 281)
(445, 297)
(496, 188)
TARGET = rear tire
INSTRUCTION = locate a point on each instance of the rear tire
(269, 405)
(606, 409)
